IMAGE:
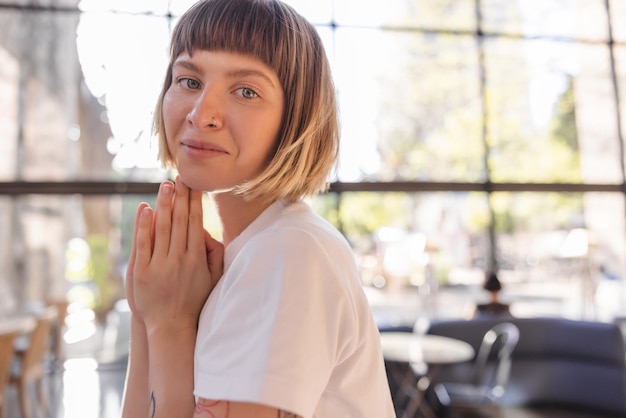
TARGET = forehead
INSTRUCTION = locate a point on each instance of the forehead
(230, 64)
(227, 60)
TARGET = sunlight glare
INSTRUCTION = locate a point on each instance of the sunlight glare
(81, 397)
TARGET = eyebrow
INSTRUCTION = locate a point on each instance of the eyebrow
(188, 65)
(243, 72)
(250, 73)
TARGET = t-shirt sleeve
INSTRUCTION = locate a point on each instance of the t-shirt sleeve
(270, 331)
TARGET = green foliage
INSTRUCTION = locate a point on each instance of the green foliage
(100, 270)
(535, 211)
(564, 123)
(326, 206)
(363, 213)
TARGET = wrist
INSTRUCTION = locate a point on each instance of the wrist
(171, 360)
(175, 327)
(137, 321)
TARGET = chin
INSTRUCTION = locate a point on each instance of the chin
(192, 181)
(195, 183)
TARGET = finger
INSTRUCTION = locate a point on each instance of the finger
(143, 253)
(131, 260)
(195, 231)
(156, 214)
(163, 222)
(180, 218)
(140, 207)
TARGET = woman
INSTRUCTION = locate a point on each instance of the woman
(272, 321)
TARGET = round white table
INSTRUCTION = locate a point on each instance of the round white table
(406, 347)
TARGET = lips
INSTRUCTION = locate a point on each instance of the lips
(201, 149)
(201, 145)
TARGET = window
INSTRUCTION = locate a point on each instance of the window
(476, 135)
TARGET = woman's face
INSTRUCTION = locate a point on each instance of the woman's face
(221, 114)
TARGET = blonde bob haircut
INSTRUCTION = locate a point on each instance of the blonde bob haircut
(307, 144)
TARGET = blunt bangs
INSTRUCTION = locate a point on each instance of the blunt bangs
(217, 25)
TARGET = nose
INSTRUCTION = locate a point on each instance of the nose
(204, 113)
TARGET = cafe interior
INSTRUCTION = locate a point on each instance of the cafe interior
(481, 185)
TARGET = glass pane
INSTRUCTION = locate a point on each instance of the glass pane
(551, 114)
(581, 19)
(317, 12)
(80, 256)
(178, 7)
(620, 69)
(618, 17)
(159, 7)
(8, 302)
(411, 111)
(561, 253)
(422, 14)
(125, 71)
(77, 104)
(40, 94)
(406, 242)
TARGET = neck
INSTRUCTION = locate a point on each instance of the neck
(236, 213)
(494, 297)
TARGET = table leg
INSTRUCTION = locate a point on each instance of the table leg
(403, 379)
(417, 402)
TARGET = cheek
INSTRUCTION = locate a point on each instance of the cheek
(260, 140)
(173, 116)
(273, 140)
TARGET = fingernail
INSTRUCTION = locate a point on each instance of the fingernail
(166, 188)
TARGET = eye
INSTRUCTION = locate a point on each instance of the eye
(189, 83)
(247, 93)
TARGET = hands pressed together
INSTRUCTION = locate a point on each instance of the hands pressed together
(174, 263)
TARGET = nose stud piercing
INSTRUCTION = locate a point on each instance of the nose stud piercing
(213, 123)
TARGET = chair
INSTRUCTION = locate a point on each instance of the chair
(57, 328)
(31, 359)
(488, 379)
(6, 358)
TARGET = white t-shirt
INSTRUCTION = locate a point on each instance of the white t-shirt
(288, 324)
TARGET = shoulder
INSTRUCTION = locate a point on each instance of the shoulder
(299, 221)
(294, 228)
(297, 253)
(298, 248)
